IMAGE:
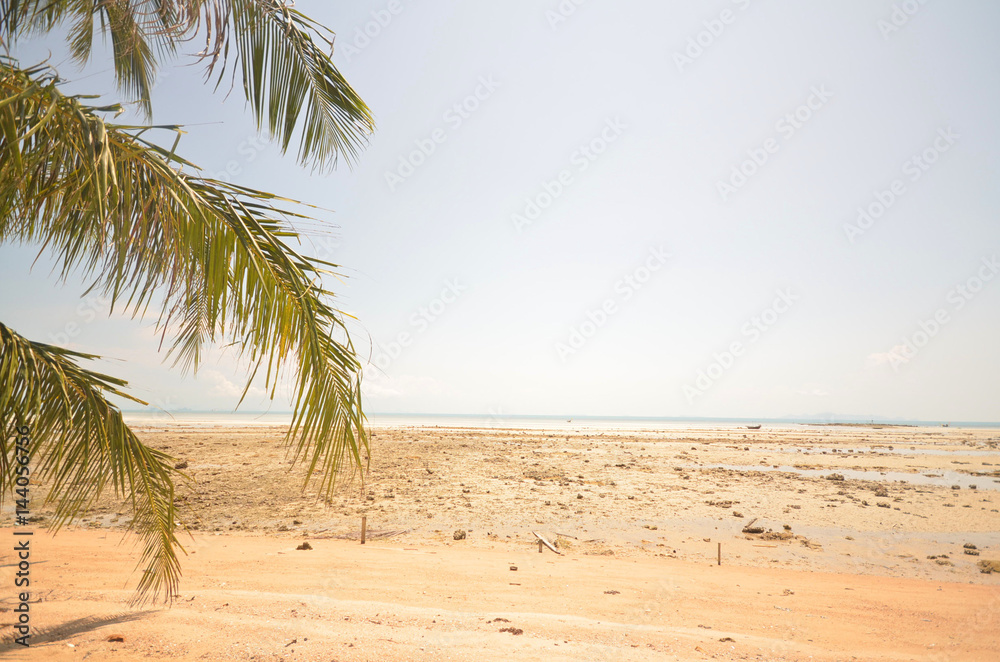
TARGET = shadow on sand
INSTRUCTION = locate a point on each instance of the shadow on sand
(58, 633)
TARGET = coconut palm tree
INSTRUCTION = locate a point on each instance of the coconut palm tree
(210, 261)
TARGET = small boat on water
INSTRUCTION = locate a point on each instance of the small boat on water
(753, 427)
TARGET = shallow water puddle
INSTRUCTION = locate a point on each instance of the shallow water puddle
(939, 478)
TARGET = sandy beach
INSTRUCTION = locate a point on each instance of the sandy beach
(837, 543)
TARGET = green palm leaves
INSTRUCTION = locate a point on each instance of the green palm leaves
(283, 56)
(212, 261)
(288, 78)
(83, 444)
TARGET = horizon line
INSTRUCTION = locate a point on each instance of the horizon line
(782, 419)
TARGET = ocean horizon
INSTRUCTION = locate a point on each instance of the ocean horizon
(530, 421)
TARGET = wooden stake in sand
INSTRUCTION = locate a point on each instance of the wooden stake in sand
(719, 557)
(364, 529)
(539, 546)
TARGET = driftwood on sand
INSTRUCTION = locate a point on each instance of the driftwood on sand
(545, 542)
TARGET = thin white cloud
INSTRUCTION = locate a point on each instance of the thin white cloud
(220, 384)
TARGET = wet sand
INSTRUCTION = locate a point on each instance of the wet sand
(842, 562)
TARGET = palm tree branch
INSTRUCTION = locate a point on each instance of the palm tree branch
(212, 256)
(284, 57)
(81, 443)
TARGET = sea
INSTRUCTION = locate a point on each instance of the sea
(527, 422)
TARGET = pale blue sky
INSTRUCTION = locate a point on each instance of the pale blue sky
(490, 300)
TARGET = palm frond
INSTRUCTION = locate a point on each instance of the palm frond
(290, 81)
(212, 258)
(81, 444)
(284, 58)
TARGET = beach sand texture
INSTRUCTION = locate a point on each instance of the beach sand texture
(831, 569)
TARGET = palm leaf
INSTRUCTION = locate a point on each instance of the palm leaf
(284, 58)
(81, 443)
(290, 80)
(211, 259)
